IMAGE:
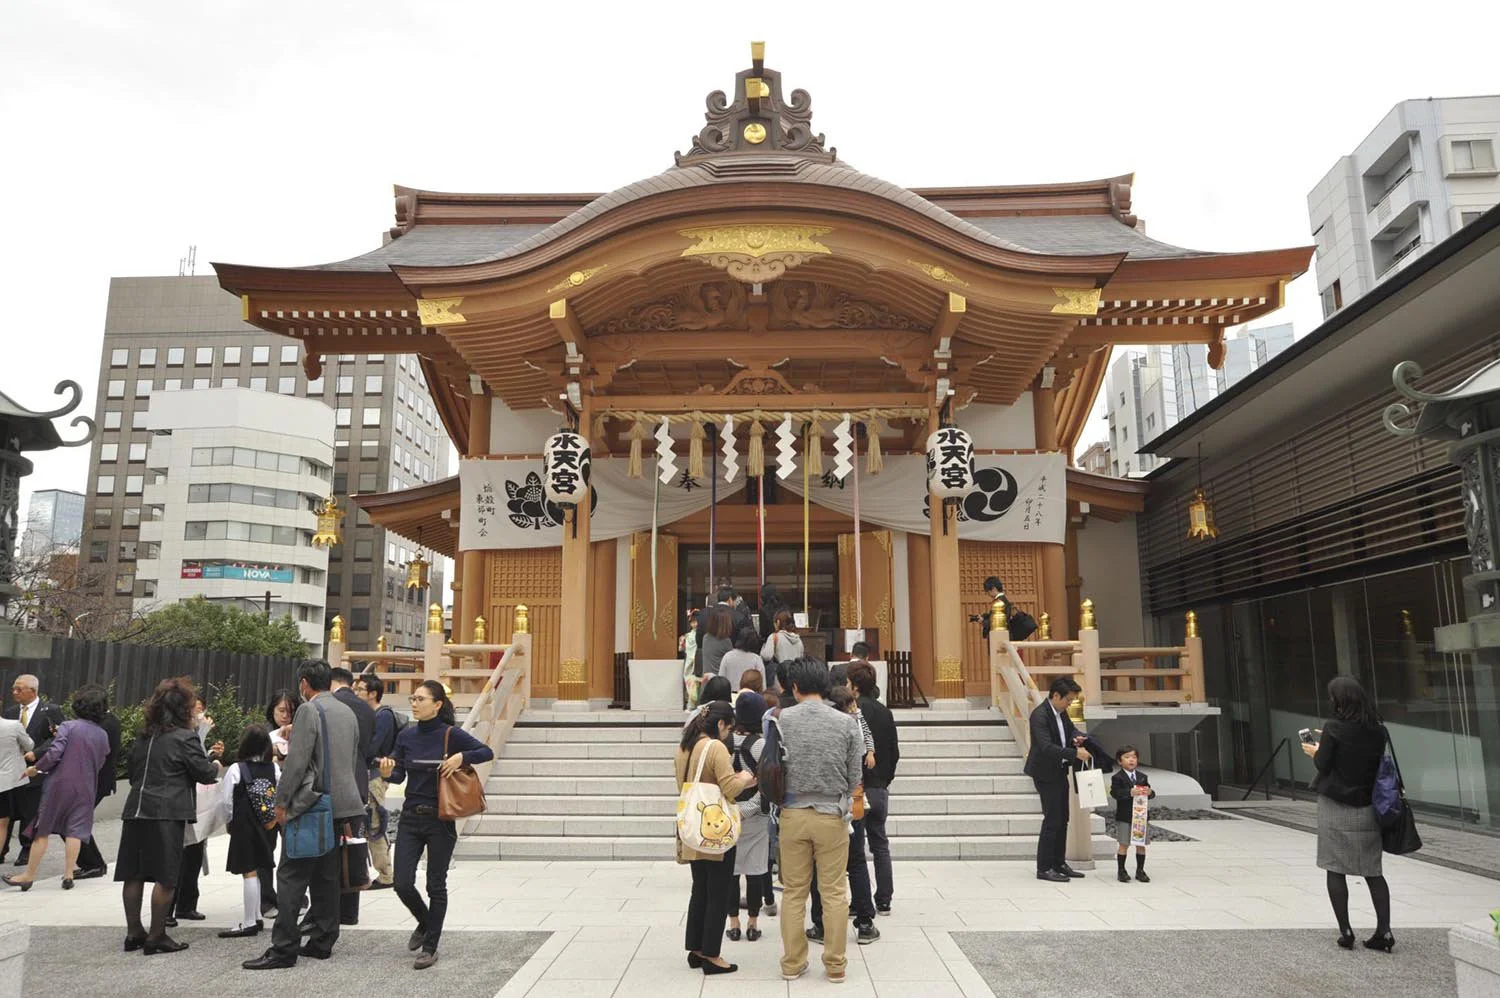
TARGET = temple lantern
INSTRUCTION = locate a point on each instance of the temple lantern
(565, 468)
(330, 514)
(950, 463)
(416, 572)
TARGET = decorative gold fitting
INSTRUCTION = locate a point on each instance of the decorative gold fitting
(480, 634)
(336, 630)
(1408, 628)
(435, 619)
(1201, 517)
(1044, 627)
(1075, 711)
(1086, 616)
(380, 643)
(757, 51)
(416, 573)
(755, 133)
(1192, 624)
(522, 623)
(997, 616)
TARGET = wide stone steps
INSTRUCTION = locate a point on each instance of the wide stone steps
(599, 786)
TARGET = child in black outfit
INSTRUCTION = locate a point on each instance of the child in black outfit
(248, 794)
(1128, 783)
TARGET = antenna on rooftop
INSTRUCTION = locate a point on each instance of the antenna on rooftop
(187, 266)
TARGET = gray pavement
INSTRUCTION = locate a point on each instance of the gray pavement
(1205, 964)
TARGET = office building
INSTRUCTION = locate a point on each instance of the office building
(54, 523)
(1426, 170)
(171, 334)
(1096, 459)
(234, 477)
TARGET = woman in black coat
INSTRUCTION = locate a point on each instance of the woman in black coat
(1347, 756)
(167, 762)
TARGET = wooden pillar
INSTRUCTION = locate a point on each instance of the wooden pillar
(1053, 588)
(601, 621)
(471, 598)
(1074, 595)
(947, 623)
(919, 590)
(573, 643)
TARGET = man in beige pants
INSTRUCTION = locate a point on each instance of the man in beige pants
(383, 744)
(824, 753)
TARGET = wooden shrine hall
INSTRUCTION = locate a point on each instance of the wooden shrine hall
(756, 345)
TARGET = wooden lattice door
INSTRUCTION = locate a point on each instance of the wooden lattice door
(1018, 566)
(660, 641)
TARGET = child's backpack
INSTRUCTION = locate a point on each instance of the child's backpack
(771, 773)
(744, 761)
(261, 792)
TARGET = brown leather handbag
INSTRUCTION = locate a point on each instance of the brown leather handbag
(461, 793)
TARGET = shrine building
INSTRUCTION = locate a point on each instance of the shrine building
(756, 345)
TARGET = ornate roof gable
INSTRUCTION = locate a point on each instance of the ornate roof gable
(759, 121)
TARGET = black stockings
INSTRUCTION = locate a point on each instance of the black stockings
(1380, 897)
(132, 893)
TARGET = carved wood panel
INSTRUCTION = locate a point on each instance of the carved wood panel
(876, 567)
(662, 643)
(1019, 567)
(532, 576)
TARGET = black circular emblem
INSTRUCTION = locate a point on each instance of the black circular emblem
(994, 492)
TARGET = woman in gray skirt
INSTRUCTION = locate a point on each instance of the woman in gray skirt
(1347, 755)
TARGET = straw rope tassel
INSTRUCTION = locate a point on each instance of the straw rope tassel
(755, 464)
(875, 462)
(695, 450)
(636, 436)
(812, 457)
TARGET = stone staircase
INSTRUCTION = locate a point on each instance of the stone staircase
(599, 786)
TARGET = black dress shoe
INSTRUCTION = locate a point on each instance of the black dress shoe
(1381, 941)
(90, 874)
(171, 922)
(710, 969)
(1069, 872)
(314, 952)
(269, 960)
(191, 915)
(424, 960)
(166, 944)
(733, 934)
(1052, 876)
(695, 961)
(381, 886)
(243, 931)
(133, 943)
(24, 858)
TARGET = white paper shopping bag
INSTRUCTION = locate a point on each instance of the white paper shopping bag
(1092, 792)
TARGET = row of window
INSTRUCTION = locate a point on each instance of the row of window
(405, 459)
(251, 495)
(286, 385)
(104, 485)
(261, 460)
(235, 530)
(202, 356)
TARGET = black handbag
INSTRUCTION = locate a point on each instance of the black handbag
(1400, 836)
(1021, 625)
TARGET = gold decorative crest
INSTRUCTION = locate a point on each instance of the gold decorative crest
(949, 670)
(1076, 301)
(755, 240)
(576, 279)
(570, 670)
(440, 311)
(937, 273)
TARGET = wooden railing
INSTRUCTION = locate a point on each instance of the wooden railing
(499, 703)
(1015, 692)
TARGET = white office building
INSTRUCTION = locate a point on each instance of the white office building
(233, 477)
(1428, 169)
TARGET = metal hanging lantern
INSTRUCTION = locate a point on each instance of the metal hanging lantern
(565, 468)
(950, 463)
(1200, 511)
(416, 572)
(330, 514)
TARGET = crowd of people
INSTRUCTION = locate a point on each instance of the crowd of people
(302, 803)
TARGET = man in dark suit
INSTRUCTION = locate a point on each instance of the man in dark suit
(343, 681)
(1056, 750)
(41, 721)
(90, 860)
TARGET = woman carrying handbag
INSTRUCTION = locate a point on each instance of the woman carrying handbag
(422, 751)
(1347, 757)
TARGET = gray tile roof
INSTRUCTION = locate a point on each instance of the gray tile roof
(440, 246)
(1071, 235)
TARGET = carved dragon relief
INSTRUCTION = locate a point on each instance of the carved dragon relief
(724, 304)
(813, 305)
(709, 305)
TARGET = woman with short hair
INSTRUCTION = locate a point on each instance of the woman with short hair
(1347, 757)
(167, 762)
(715, 638)
(72, 763)
(785, 643)
(744, 655)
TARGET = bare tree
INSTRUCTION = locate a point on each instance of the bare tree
(58, 593)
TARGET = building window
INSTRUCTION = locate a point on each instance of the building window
(335, 584)
(98, 552)
(102, 516)
(340, 482)
(148, 589)
(137, 452)
(231, 355)
(286, 386)
(257, 384)
(130, 516)
(315, 386)
(289, 353)
(127, 550)
(341, 416)
(1471, 156)
(1333, 299)
(343, 385)
(119, 358)
(104, 485)
(369, 449)
(200, 383)
(373, 383)
(360, 617)
(361, 584)
(172, 385)
(175, 356)
(230, 383)
(143, 388)
(260, 355)
(109, 452)
(115, 389)
(134, 484)
(371, 417)
(148, 356)
(203, 356)
(1469, 217)
(125, 584)
(364, 550)
(366, 481)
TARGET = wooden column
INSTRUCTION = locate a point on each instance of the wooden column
(601, 621)
(1074, 595)
(947, 619)
(472, 596)
(919, 586)
(573, 643)
(1053, 588)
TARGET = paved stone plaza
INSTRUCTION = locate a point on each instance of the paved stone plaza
(616, 927)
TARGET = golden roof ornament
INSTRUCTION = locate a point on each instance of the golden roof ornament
(435, 619)
(759, 120)
(330, 514)
(336, 630)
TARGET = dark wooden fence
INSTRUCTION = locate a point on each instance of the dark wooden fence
(904, 691)
(134, 670)
(621, 699)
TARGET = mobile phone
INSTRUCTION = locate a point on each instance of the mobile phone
(1306, 735)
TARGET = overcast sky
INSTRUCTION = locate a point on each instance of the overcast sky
(271, 132)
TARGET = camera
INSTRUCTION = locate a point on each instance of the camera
(975, 618)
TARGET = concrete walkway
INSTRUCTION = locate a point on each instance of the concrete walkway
(617, 926)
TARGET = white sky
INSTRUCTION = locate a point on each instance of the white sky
(271, 132)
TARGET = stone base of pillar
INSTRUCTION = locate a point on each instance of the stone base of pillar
(951, 703)
(562, 706)
(15, 939)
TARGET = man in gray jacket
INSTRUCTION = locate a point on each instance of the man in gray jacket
(824, 756)
(301, 784)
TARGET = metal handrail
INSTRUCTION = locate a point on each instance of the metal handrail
(1264, 769)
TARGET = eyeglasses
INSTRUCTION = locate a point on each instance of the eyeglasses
(419, 699)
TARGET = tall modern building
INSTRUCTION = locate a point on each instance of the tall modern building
(236, 476)
(1427, 169)
(183, 334)
(1149, 391)
(54, 522)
